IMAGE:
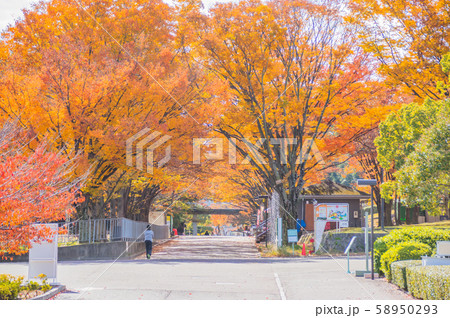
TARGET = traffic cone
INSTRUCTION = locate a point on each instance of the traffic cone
(304, 250)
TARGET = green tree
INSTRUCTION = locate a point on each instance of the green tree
(414, 142)
(425, 178)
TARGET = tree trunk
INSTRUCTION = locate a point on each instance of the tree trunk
(388, 213)
(446, 205)
(408, 215)
(415, 216)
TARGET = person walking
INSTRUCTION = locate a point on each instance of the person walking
(148, 237)
(299, 228)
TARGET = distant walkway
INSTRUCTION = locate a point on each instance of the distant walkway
(207, 247)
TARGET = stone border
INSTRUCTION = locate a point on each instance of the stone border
(52, 292)
(336, 243)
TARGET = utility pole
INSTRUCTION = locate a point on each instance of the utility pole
(371, 183)
(266, 206)
(371, 234)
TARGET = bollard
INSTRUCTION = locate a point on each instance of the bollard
(347, 251)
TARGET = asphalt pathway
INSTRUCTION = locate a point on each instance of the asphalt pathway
(207, 247)
(215, 268)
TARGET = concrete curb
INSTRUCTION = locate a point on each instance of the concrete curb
(52, 292)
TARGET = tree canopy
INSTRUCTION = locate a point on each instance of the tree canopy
(414, 142)
(276, 95)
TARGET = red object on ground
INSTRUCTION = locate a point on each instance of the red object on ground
(304, 250)
(175, 232)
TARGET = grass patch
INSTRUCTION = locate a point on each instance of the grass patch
(68, 243)
(437, 225)
(283, 251)
(361, 230)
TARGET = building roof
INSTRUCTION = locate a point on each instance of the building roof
(331, 189)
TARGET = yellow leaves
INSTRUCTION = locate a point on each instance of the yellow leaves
(84, 91)
(219, 220)
(407, 38)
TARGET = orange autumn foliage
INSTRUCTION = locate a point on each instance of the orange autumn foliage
(34, 188)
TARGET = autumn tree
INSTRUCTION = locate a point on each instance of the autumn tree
(409, 38)
(36, 186)
(296, 80)
(219, 220)
(91, 74)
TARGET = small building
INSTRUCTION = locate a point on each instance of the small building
(329, 192)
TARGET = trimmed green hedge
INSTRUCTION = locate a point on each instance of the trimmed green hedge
(403, 251)
(422, 234)
(429, 282)
(398, 272)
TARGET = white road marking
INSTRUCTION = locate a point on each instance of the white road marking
(218, 283)
(280, 288)
(91, 288)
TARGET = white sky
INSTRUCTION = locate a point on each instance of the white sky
(12, 9)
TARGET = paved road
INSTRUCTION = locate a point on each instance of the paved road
(208, 247)
(215, 268)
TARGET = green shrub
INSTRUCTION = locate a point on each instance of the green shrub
(422, 234)
(402, 251)
(9, 286)
(398, 272)
(32, 286)
(45, 287)
(429, 282)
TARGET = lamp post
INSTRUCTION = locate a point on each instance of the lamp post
(371, 183)
(381, 218)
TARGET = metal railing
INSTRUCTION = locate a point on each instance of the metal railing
(305, 238)
(261, 230)
(101, 230)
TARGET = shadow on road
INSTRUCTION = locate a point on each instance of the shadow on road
(266, 260)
